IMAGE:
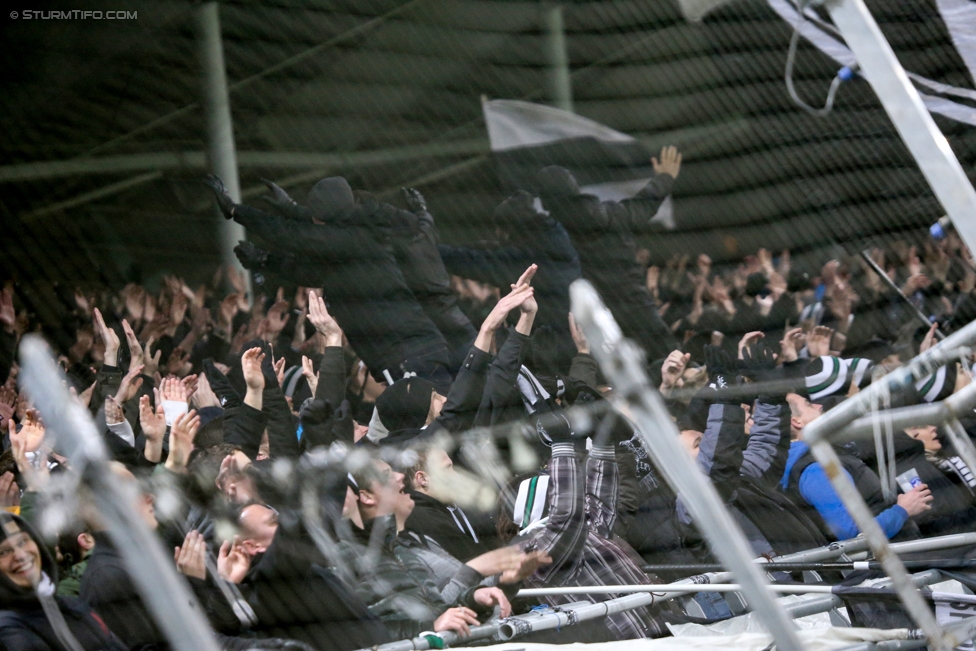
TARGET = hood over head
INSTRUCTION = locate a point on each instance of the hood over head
(330, 197)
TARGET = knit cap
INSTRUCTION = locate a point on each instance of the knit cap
(405, 404)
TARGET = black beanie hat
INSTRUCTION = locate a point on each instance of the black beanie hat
(555, 181)
(330, 196)
(755, 283)
(517, 209)
(405, 404)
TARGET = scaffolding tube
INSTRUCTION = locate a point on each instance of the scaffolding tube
(535, 620)
(621, 362)
(566, 615)
(835, 423)
(776, 566)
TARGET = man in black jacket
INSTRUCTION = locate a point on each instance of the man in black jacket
(414, 241)
(294, 591)
(527, 236)
(398, 586)
(603, 234)
(462, 536)
(345, 251)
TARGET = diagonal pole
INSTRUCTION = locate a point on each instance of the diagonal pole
(150, 567)
(621, 363)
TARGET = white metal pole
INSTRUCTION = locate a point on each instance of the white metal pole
(621, 362)
(150, 568)
(221, 152)
(557, 59)
(914, 123)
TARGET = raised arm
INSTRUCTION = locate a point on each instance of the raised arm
(299, 237)
(565, 532)
(765, 455)
(473, 383)
(720, 452)
(637, 212)
(332, 369)
(284, 204)
(764, 458)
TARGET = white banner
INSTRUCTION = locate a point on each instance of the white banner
(960, 19)
(839, 52)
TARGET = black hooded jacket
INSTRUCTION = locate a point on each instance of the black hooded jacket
(24, 626)
(603, 234)
(461, 535)
(366, 291)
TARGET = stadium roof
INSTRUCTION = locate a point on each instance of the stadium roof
(103, 142)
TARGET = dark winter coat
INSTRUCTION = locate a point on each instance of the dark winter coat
(455, 531)
(394, 582)
(603, 234)
(296, 595)
(416, 251)
(24, 625)
(365, 289)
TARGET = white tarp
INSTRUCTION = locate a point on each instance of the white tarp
(821, 639)
(840, 53)
(960, 19)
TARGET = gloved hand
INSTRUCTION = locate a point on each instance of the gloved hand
(721, 369)
(613, 429)
(343, 427)
(316, 412)
(553, 427)
(414, 200)
(221, 386)
(278, 198)
(758, 362)
(220, 192)
(250, 256)
(722, 373)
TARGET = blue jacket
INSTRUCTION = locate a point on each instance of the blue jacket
(817, 491)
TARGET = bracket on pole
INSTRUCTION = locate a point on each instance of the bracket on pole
(914, 123)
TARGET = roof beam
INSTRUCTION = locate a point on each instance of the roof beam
(196, 160)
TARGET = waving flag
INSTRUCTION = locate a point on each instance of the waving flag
(526, 137)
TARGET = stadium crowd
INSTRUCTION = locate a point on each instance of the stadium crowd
(362, 379)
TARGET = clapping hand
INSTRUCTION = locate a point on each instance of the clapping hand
(181, 436)
(191, 556)
(108, 337)
(818, 341)
(233, 561)
(323, 321)
(673, 369)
